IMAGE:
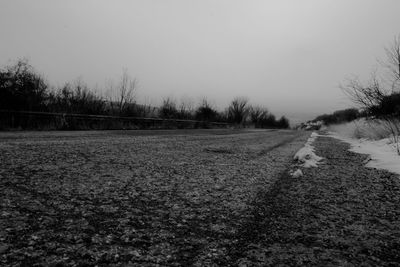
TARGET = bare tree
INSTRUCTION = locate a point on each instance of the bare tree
(122, 95)
(392, 63)
(372, 93)
(257, 113)
(186, 108)
(377, 101)
(367, 95)
(238, 110)
(127, 87)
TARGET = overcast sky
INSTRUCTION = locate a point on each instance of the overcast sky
(289, 55)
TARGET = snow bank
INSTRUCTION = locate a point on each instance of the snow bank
(362, 128)
(383, 154)
(306, 155)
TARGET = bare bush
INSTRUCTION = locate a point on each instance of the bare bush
(367, 95)
(205, 112)
(168, 109)
(186, 109)
(339, 116)
(377, 101)
(76, 98)
(145, 110)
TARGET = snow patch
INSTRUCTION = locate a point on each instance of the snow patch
(296, 174)
(306, 155)
(382, 153)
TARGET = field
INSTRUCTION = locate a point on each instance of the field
(173, 197)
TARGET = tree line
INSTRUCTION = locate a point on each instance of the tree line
(23, 89)
(339, 116)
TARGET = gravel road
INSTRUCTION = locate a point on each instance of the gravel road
(339, 214)
(192, 198)
(137, 197)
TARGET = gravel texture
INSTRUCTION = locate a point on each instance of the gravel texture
(193, 198)
(171, 198)
(339, 214)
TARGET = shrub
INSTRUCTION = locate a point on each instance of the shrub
(185, 110)
(261, 118)
(76, 99)
(388, 105)
(283, 123)
(339, 116)
(205, 112)
(168, 109)
(21, 88)
(269, 121)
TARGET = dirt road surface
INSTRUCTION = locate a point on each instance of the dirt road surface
(339, 214)
(192, 198)
(143, 198)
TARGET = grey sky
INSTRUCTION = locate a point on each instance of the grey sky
(289, 55)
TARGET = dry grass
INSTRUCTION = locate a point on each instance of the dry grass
(363, 129)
